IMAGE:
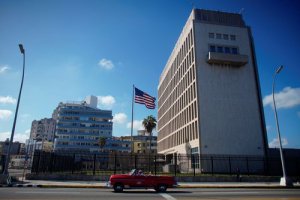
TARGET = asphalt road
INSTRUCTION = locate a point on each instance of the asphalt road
(172, 194)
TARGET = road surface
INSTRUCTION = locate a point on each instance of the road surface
(172, 194)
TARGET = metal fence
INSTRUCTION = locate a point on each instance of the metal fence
(193, 165)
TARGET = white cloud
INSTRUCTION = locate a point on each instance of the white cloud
(3, 69)
(107, 101)
(287, 98)
(18, 137)
(106, 64)
(120, 118)
(4, 114)
(7, 100)
(137, 125)
(275, 143)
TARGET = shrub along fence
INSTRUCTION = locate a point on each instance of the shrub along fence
(105, 163)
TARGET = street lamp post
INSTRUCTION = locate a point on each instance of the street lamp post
(5, 171)
(284, 181)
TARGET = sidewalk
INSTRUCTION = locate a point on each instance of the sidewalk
(101, 184)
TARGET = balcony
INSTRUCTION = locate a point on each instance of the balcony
(225, 58)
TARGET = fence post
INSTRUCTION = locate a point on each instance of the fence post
(194, 164)
(115, 168)
(94, 165)
(212, 165)
(50, 163)
(265, 159)
(247, 166)
(155, 165)
(73, 163)
(135, 161)
(229, 165)
(175, 167)
(38, 164)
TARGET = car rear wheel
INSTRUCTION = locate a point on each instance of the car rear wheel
(161, 188)
(118, 187)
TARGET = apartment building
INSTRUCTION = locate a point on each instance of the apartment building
(80, 125)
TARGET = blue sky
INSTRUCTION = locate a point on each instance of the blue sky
(76, 48)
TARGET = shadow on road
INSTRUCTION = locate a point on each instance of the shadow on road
(151, 192)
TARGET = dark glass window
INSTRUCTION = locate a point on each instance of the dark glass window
(227, 50)
(232, 37)
(212, 48)
(219, 36)
(234, 50)
(211, 35)
(220, 49)
(225, 36)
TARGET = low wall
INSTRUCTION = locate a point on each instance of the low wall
(216, 178)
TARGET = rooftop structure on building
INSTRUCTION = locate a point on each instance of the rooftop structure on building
(209, 96)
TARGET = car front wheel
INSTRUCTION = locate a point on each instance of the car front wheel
(161, 188)
(118, 187)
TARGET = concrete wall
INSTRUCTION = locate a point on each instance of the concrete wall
(229, 110)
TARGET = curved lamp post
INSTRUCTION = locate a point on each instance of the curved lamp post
(284, 181)
(5, 171)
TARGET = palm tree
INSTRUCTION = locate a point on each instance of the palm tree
(149, 123)
(102, 142)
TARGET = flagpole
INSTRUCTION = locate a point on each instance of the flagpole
(132, 119)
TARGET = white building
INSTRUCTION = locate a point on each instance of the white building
(80, 125)
(43, 129)
(209, 100)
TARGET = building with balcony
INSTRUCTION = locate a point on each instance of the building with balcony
(80, 125)
(209, 100)
(141, 142)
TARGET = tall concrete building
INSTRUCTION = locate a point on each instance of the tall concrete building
(209, 100)
(80, 125)
(43, 129)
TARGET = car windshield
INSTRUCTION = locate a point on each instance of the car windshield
(132, 172)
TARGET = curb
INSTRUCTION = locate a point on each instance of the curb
(21, 185)
(180, 186)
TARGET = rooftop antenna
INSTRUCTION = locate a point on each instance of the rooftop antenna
(241, 11)
(193, 4)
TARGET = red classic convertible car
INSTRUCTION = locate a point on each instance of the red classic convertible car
(136, 179)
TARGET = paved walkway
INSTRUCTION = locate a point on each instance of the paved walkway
(101, 184)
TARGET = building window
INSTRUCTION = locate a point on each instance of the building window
(234, 50)
(232, 37)
(225, 36)
(220, 49)
(212, 48)
(211, 35)
(227, 49)
(219, 36)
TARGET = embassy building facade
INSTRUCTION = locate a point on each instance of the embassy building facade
(209, 100)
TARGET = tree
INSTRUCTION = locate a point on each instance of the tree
(102, 142)
(149, 123)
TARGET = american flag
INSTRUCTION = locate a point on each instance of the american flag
(144, 98)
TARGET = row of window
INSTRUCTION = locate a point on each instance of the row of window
(84, 131)
(223, 49)
(180, 120)
(182, 136)
(81, 137)
(178, 97)
(221, 36)
(177, 61)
